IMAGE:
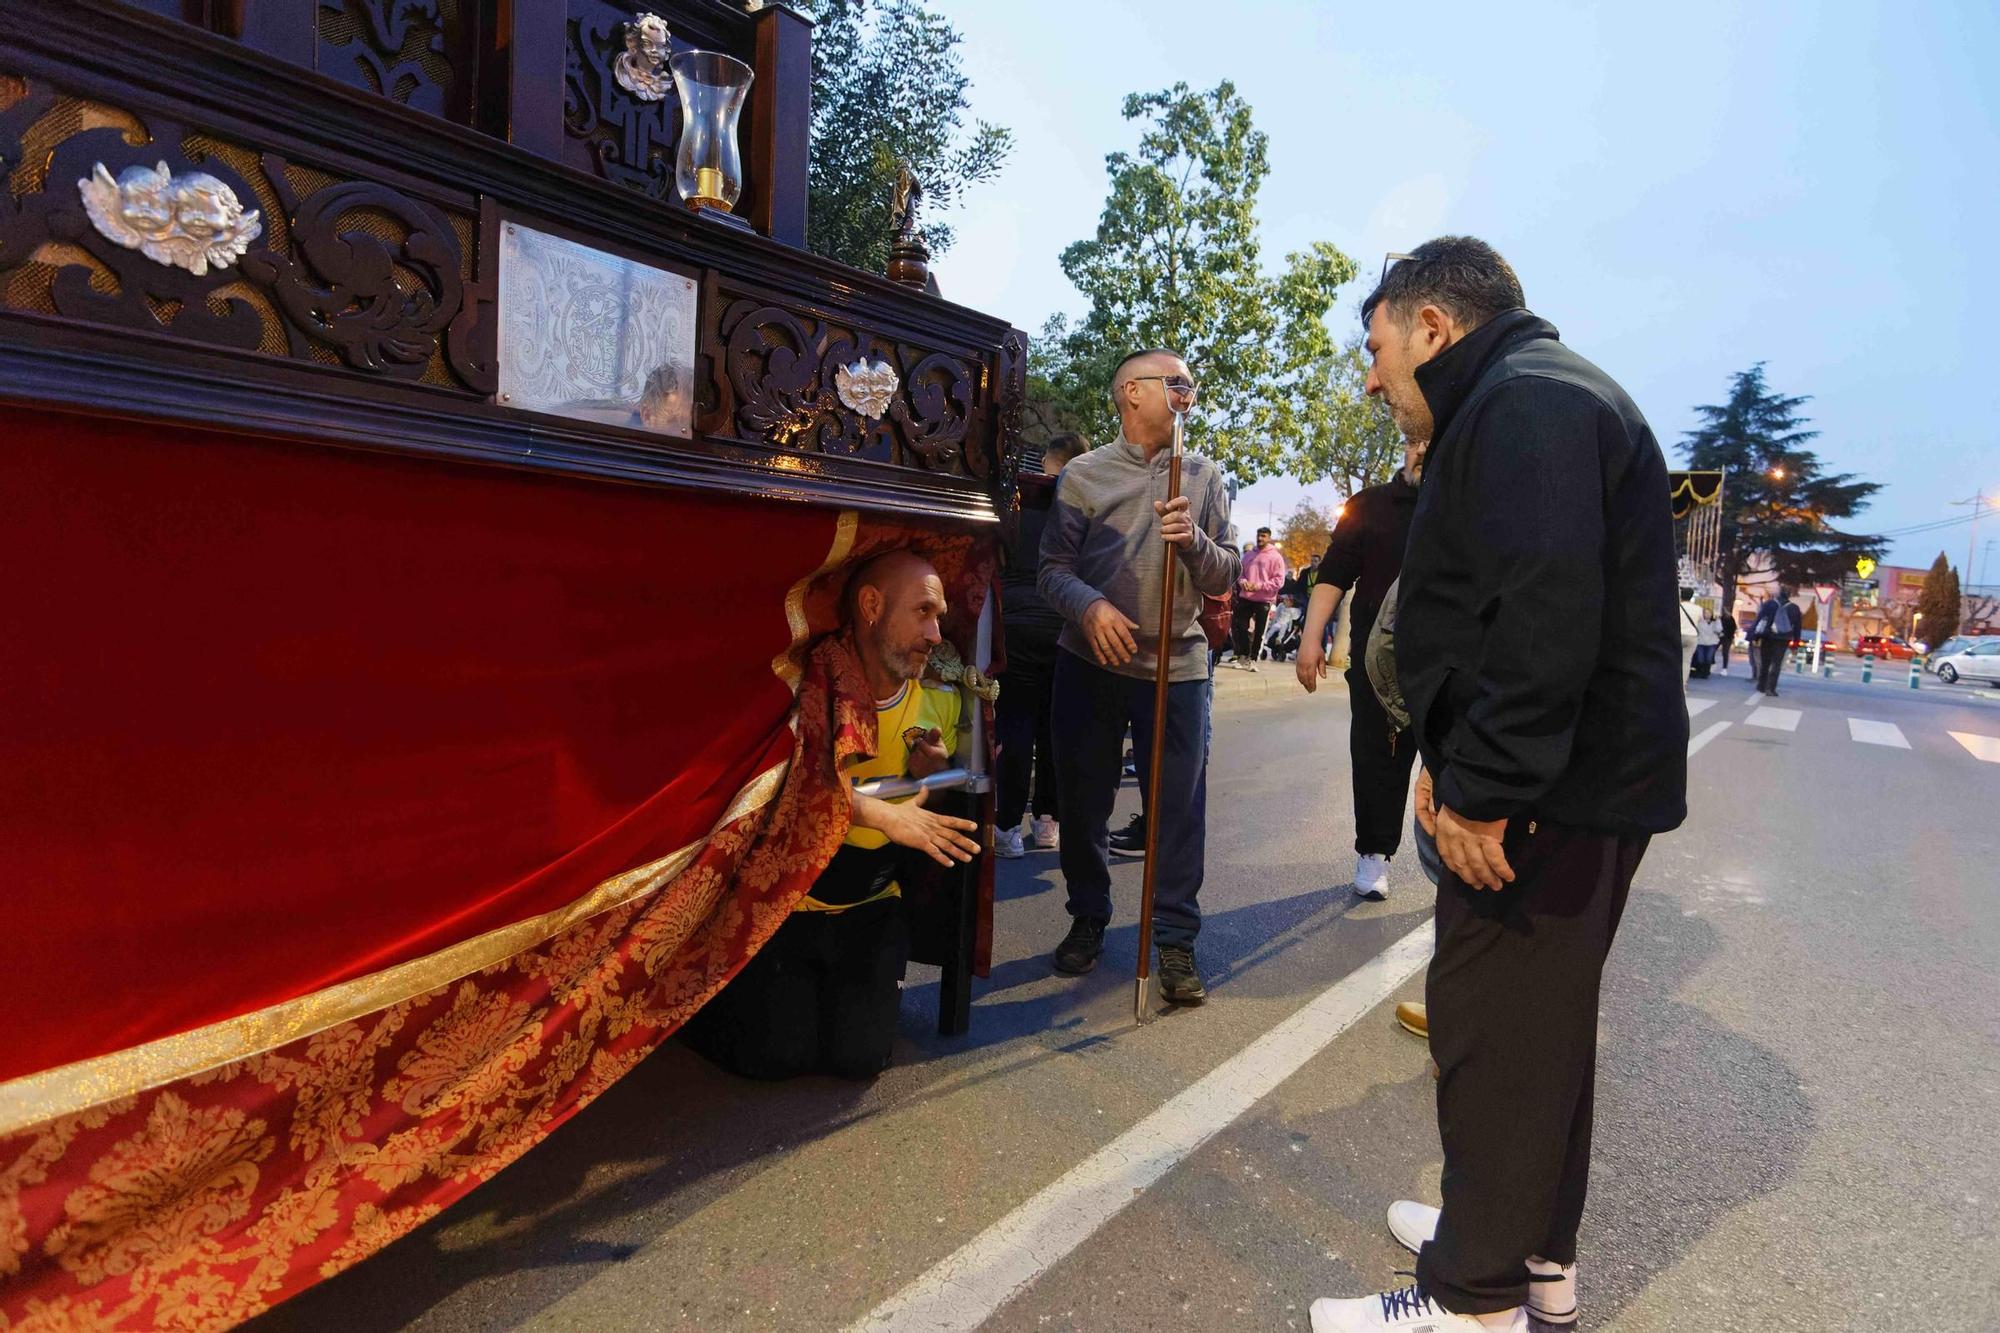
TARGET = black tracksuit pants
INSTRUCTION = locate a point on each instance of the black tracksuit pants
(1381, 756)
(1513, 994)
(1246, 626)
(1021, 719)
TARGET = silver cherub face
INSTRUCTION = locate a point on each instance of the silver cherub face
(641, 68)
(866, 386)
(192, 222)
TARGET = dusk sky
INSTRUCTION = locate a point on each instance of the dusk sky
(1683, 191)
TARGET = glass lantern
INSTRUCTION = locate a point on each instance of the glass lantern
(708, 169)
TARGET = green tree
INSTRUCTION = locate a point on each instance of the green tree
(1777, 499)
(1175, 263)
(888, 86)
(1939, 603)
(1338, 431)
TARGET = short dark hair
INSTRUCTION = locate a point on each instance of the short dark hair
(1261, 531)
(1130, 357)
(1460, 275)
(1066, 446)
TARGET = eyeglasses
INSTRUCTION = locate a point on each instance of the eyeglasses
(1387, 260)
(1174, 384)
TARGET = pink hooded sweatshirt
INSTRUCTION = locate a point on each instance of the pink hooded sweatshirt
(1264, 571)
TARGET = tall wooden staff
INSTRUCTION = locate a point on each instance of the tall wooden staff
(1169, 572)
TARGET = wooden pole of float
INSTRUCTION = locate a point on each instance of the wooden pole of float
(1170, 569)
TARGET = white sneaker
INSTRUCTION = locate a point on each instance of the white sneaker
(1048, 834)
(1371, 876)
(1551, 1287)
(1007, 842)
(1410, 1310)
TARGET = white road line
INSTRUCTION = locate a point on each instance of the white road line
(1876, 733)
(968, 1286)
(1982, 747)
(1694, 746)
(1755, 695)
(1776, 719)
(1696, 707)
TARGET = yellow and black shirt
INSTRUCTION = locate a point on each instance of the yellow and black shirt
(864, 869)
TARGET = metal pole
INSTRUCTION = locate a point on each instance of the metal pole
(1162, 652)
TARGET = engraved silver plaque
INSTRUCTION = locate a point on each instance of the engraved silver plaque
(590, 335)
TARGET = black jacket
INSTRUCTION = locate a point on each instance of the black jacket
(1537, 631)
(1366, 553)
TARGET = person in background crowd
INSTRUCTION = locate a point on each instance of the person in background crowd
(1776, 626)
(821, 996)
(1726, 627)
(1366, 555)
(1690, 628)
(1263, 574)
(1021, 716)
(1535, 652)
(1707, 635)
(1104, 557)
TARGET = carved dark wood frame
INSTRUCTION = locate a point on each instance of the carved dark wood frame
(160, 69)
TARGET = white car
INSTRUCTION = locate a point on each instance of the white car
(1981, 661)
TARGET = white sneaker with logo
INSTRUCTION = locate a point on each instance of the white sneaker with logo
(1371, 876)
(1048, 834)
(1551, 1287)
(1007, 842)
(1407, 1311)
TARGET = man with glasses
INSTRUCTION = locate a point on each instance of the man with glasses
(1103, 559)
(1535, 649)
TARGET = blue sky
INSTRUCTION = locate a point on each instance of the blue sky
(1684, 191)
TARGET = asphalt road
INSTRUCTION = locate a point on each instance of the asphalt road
(1799, 1089)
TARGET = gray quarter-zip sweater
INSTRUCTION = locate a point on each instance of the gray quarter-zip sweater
(1103, 540)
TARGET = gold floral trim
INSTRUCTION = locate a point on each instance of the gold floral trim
(790, 664)
(66, 1089)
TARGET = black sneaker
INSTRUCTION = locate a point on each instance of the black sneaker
(1130, 841)
(1078, 952)
(1180, 982)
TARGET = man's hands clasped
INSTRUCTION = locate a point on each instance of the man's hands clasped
(1470, 848)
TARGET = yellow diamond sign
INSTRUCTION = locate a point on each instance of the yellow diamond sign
(1864, 566)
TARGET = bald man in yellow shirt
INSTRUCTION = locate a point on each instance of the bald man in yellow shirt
(822, 995)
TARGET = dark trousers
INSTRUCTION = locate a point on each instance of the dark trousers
(1381, 756)
(1771, 661)
(1513, 993)
(1722, 653)
(1246, 627)
(1092, 709)
(1021, 722)
(819, 998)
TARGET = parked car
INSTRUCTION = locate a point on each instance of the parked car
(1979, 661)
(1884, 647)
(1958, 643)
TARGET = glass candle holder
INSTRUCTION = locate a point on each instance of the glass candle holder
(708, 170)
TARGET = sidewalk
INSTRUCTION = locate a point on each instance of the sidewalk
(1271, 680)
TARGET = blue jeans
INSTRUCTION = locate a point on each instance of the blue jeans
(1091, 709)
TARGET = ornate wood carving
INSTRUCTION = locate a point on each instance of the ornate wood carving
(773, 372)
(613, 133)
(348, 272)
(404, 50)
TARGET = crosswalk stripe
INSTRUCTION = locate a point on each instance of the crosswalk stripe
(1775, 719)
(1696, 707)
(1755, 695)
(1982, 747)
(1868, 732)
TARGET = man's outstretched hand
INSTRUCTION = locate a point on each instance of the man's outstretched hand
(907, 824)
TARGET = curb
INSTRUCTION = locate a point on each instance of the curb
(1271, 680)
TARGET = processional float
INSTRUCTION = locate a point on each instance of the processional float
(430, 451)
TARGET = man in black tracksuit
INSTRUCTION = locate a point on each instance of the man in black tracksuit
(1361, 562)
(1538, 649)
